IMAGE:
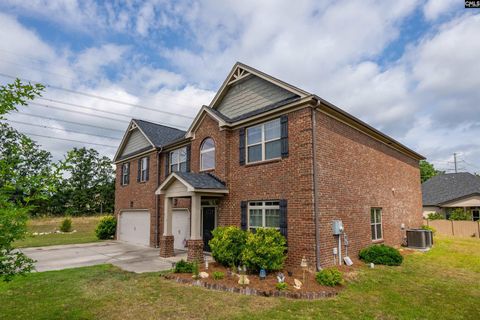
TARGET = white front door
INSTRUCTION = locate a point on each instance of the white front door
(134, 227)
(180, 228)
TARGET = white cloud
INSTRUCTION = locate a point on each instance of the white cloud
(435, 8)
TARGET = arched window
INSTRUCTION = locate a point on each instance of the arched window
(207, 154)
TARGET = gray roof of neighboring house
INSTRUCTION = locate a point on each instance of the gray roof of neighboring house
(202, 180)
(160, 135)
(447, 187)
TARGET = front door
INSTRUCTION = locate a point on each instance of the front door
(208, 224)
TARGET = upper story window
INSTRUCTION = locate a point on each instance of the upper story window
(264, 141)
(178, 160)
(143, 172)
(207, 154)
(376, 223)
(125, 173)
(263, 214)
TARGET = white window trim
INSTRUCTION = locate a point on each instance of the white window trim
(375, 223)
(170, 164)
(125, 173)
(202, 152)
(263, 142)
(143, 169)
(263, 207)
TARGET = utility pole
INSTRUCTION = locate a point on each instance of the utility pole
(455, 161)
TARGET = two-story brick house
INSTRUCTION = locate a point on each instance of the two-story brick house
(266, 154)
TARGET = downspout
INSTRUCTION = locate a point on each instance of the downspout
(157, 211)
(315, 195)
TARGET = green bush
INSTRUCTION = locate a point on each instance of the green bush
(381, 254)
(460, 214)
(218, 275)
(106, 228)
(429, 228)
(329, 277)
(281, 286)
(264, 249)
(183, 266)
(227, 245)
(195, 270)
(435, 216)
(66, 225)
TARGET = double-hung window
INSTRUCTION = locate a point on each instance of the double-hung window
(207, 154)
(143, 169)
(178, 160)
(264, 141)
(376, 223)
(125, 173)
(263, 214)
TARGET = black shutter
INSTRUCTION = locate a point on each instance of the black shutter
(284, 135)
(189, 154)
(167, 165)
(243, 209)
(128, 173)
(139, 169)
(148, 169)
(121, 175)
(241, 146)
(283, 217)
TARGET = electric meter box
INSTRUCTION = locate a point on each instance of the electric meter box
(337, 227)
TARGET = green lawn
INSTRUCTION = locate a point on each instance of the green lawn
(84, 226)
(441, 284)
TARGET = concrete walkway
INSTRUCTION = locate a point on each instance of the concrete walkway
(126, 256)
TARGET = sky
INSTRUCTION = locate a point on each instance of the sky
(409, 68)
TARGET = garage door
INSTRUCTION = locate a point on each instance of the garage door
(180, 228)
(134, 227)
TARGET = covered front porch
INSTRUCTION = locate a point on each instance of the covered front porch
(204, 190)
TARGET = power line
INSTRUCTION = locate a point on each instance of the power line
(60, 129)
(72, 140)
(103, 98)
(67, 121)
(87, 108)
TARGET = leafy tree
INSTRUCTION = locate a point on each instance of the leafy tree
(427, 170)
(460, 214)
(21, 180)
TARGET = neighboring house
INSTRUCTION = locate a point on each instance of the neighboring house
(446, 192)
(265, 154)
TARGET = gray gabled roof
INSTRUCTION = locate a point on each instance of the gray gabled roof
(202, 180)
(447, 187)
(158, 134)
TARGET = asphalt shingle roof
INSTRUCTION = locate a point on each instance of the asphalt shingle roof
(159, 135)
(447, 187)
(202, 180)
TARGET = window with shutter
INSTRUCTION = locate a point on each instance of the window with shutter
(266, 141)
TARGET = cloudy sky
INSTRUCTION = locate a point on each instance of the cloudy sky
(409, 68)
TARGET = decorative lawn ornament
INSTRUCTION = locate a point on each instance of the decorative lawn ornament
(280, 277)
(203, 275)
(297, 284)
(206, 263)
(243, 280)
(263, 274)
(304, 266)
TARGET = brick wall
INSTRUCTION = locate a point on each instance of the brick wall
(356, 173)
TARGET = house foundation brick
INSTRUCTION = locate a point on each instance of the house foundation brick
(166, 246)
(195, 250)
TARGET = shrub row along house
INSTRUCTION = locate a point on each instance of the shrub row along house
(265, 154)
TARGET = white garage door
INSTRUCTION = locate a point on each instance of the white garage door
(134, 227)
(180, 228)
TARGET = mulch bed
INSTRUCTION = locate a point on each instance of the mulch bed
(310, 288)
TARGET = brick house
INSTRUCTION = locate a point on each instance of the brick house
(266, 154)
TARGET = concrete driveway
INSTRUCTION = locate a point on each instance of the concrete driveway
(126, 256)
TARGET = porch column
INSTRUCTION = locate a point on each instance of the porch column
(166, 241)
(195, 244)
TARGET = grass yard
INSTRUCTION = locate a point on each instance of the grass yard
(85, 227)
(441, 284)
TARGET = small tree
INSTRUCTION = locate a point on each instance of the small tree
(460, 214)
(427, 171)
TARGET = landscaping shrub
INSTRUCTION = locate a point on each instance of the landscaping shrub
(183, 266)
(264, 249)
(460, 214)
(227, 245)
(281, 286)
(195, 270)
(435, 216)
(106, 228)
(329, 277)
(66, 225)
(429, 228)
(218, 275)
(381, 254)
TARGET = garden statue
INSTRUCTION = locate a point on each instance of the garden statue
(297, 284)
(280, 277)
